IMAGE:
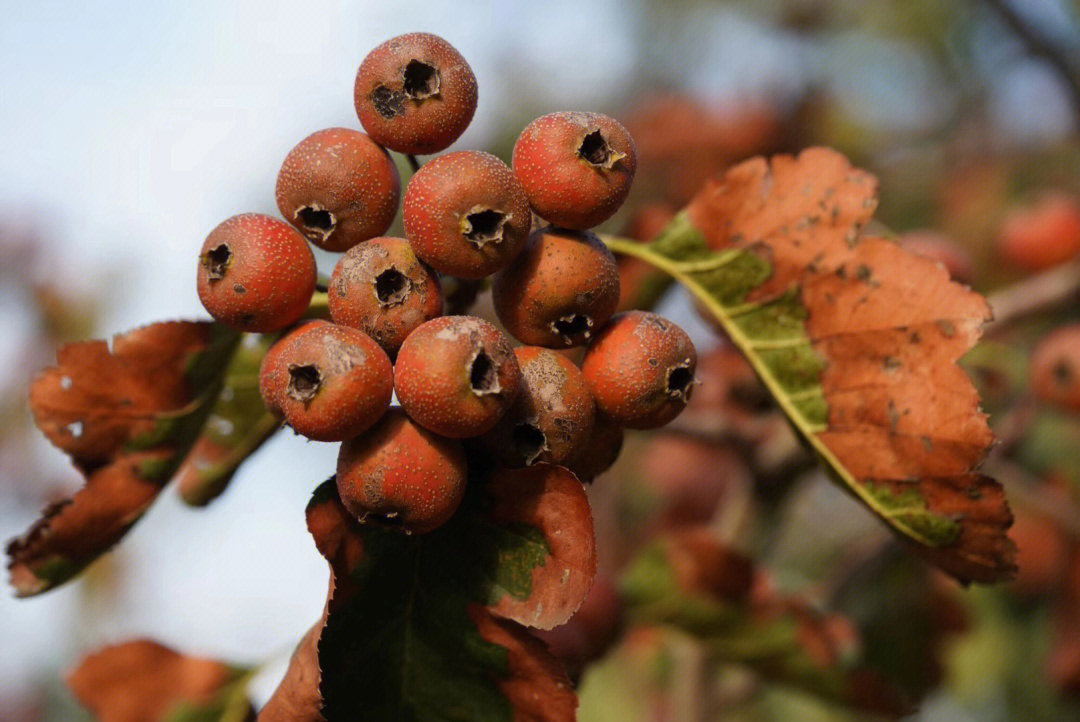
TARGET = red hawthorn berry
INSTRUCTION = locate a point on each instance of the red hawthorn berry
(551, 419)
(559, 291)
(640, 369)
(466, 215)
(399, 474)
(600, 452)
(576, 168)
(415, 94)
(256, 273)
(1055, 367)
(1042, 554)
(383, 289)
(338, 187)
(330, 382)
(456, 376)
(1041, 234)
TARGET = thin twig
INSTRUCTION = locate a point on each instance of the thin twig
(1039, 46)
(1046, 290)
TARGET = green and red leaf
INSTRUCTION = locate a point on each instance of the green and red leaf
(238, 425)
(857, 340)
(127, 415)
(425, 627)
(143, 681)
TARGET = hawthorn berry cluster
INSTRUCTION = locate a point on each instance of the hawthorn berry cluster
(463, 387)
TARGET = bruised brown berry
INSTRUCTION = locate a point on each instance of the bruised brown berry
(330, 382)
(415, 94)
(640, 369)
(456, 376)
(552, 418)
(1055, 367)
(402, 476)
(338, 187)
(466, 215)
(256, 273)
(575, 167)
(383, 289)
(559, 291)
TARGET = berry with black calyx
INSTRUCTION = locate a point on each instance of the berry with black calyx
(400, 475)
(552, 418)
(383, 289)
(466, 215)
(1055, 367)
(338, 187)
(256, 273)
(329, 382)
(559, 291)
(456, 376)
(415, 94)
(576, 168)
(640, 369)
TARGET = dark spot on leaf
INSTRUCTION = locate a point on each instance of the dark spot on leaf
(388, 103)
(421, 80)
(947, 327)
(483, 378)
(928, 443)
(863, 272)
(891, 363)
(304, 382)
(216, 261)
(391, 287)
(484, 226)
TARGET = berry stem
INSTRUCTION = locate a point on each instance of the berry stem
(1050, 289)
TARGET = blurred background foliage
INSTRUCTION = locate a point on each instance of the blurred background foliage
(968, 112)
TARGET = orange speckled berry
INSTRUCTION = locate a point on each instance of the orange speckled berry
(415, 94)
(559, 291)
(256, 273)
(1055, 367)
(338, 187)
(401, 475)
(552, 418)
(383, 289)
(456, 376)
(466, 214)
(640, 369)
(330, 382)
(575, 167)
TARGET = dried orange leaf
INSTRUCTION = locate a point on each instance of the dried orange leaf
(127, 415)
(143, 681)
(857, 340)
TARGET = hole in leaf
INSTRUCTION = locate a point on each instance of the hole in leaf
(594, 149)
(388, 103)
(572, 326)
(484, 226)
(317, 219)
(217, 260)
(391, 287)
(530, 442)
(680, 380)
(483, 378)
(304, 382)
(421, 80)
